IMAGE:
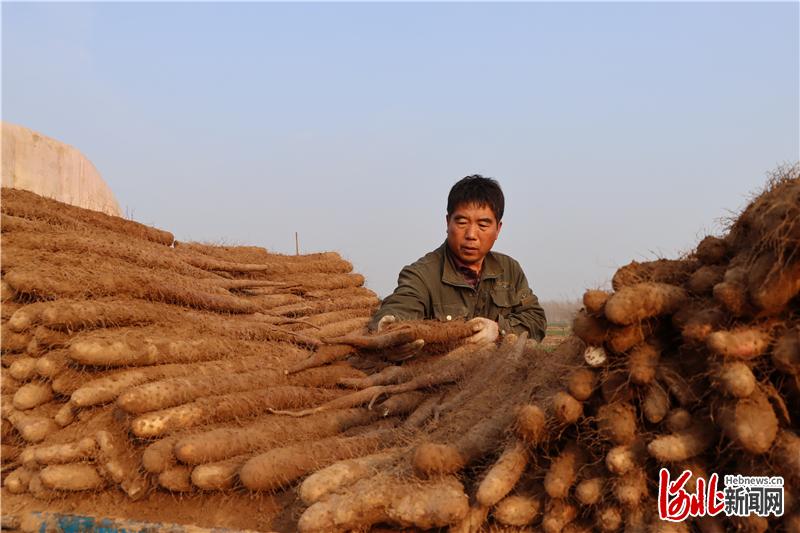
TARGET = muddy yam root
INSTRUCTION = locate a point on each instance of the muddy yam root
(428, 505)
(617, 422)
(518, 510)
(32, 394)
(71, 477)
(236, 406)
(644, 300)
(581, 384)
(531, 424)
(85, 448)
(595, 300)
(712, 250)
(430, 459)
(736, 379)
(280, 467)
(750, 422)
(590, 329)
(786, 354)
(743, 343)
(342, 474)
(643, 362)
(590, 491)
(503, 475)
(567, 409)
(655, 404)
(563, 471)
(220, 475)
(226, 442)
(684, 444)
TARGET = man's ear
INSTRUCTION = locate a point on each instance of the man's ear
(499, 226)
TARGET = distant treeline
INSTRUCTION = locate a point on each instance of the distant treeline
(561, 310)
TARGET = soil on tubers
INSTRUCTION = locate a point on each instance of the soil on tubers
(232, 387)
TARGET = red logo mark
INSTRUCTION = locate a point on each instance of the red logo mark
(675, 504)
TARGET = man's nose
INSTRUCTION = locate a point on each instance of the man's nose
(471, 233)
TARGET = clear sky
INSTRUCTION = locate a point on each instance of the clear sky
(618, 131)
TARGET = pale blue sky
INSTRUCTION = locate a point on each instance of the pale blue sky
(618, 131)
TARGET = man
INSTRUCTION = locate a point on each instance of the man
(463, 278)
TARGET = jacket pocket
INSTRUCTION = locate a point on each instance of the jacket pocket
(504, 299)
(447, 311)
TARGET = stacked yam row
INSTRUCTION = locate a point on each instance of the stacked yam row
(120, 346)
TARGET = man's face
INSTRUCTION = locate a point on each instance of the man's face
(471, 232)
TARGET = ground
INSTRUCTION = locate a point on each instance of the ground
(556, 332)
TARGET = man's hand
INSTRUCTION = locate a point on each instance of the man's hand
(486, 330)
(404, 351)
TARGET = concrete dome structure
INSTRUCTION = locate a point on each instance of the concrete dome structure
(39, 164)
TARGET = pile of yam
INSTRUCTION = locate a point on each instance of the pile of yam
(694, 364)
(121, 345)
(136, 364)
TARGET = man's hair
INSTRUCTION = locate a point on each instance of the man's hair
(477, 190)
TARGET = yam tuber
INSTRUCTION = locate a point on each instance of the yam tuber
(678, 419)
(383, 499)
(84, 448)
(643, 362)
(683, 444)
(531, 424)
(637, 302)
(503, 475)
(749, 422)
(617, 422)
(590, 491)
(567, 409)
(518, 509)
(608, 518)
(595, 300)
(557, 514)
(740, 343)
(32, 394)
(581, 384)
(342, 474)
(786, 353)
(631, 488)
(735, 379)
(711, 250)
(220, 475)
(279, 467)
(623, 458)
(71, 477)
(655, 404)
(563, 471)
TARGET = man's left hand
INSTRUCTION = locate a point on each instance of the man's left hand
(486, 330)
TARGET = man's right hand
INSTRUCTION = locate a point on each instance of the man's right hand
(486, 330)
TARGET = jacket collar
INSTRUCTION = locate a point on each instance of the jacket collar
(491, 268)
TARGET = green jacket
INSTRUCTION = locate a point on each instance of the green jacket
(433, 288)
